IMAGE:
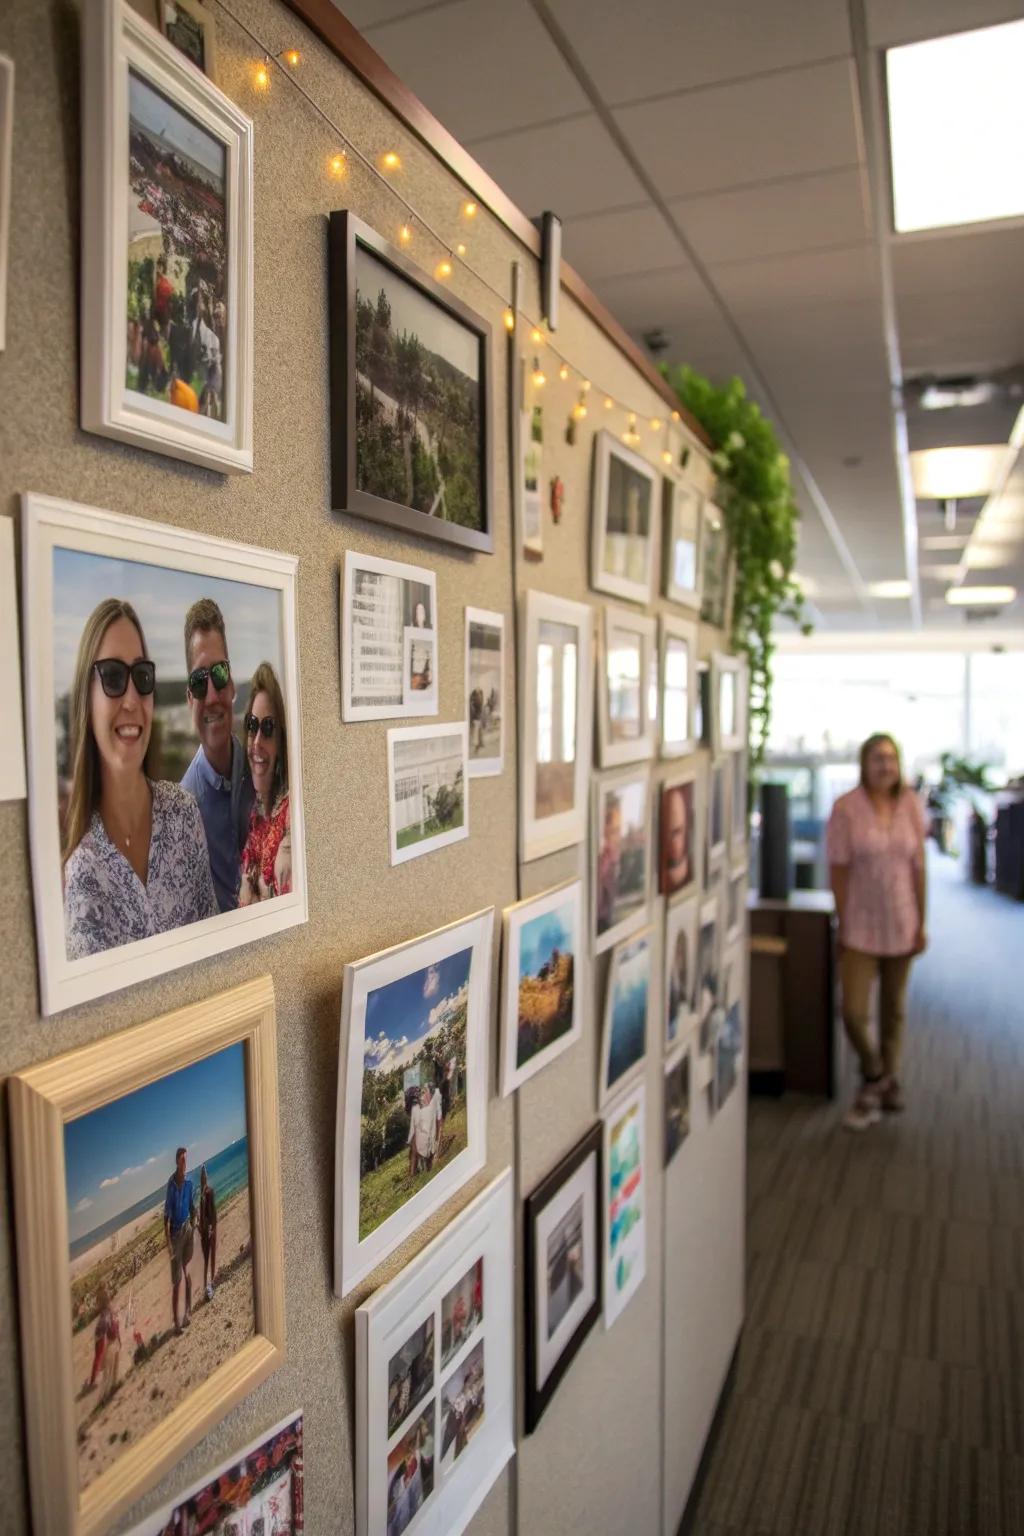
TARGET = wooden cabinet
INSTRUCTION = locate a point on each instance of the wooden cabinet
(792, 994)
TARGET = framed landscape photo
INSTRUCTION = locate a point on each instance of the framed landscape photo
(627, 713)
(677, 1102)
(167, 247)
(563, 1265)
(541, 1012)
(427, 799)
(716, 571)
(485, 691)
(679, 834)
(148, 1224)
(682, 922)
(435, 1378)
(624, 1037)
(625, 1195)
(259, 1489)
(555, 739)
(155, 877)
(727, 685)
(623, 528)
(191, 28)
(6, 148)
(621, 854)
(412, 1088)
(681, 505)
(411, 394)
(389, 647)
(679, 696)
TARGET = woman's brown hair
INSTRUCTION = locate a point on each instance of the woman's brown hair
(865, 752)
(264, 680)
(85, 757)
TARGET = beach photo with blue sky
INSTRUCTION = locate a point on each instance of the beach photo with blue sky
(133, 1359)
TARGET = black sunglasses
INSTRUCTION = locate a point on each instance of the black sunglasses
(219, 674)
(264, 727)
(114, 674)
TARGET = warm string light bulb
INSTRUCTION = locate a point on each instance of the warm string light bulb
(538, 374)
(537, 337)
(405, 235)
(338, 164)
(293, 57)
(586, 386)
(509, 320)
(261, 76)
(460, 249)
(676, 416)
(390, 161)
(444, 269)
(579, 410)
(608, 402)
(655, 424)
(563, 372)
(469, 210)
(666, 457)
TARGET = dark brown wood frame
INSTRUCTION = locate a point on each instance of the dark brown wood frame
(326, 21)
(346, 232)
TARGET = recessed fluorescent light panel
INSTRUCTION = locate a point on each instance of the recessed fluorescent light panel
(983, 597)
(956, 125)
(947, 474)
(889, 589)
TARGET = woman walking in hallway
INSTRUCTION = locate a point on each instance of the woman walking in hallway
(876, 858)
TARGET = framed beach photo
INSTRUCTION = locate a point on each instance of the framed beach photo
(6, 151)
(682, 923)
(167, 248)
(679, 695)
(625, 1216)
(624, 1037)
(621, 854)
(260, 1489)
(627, 694)
(485, 691)
(728, 678)
(681, 507)
(563, 1264)
(541, 1008)
(677, 1102)
(166, 826)
(623, 524)
(679, 834)
(389, 647)
(427, 799)
(412, 1088)
(716, 569)
(148, 1223)
(191, 28)
(557, 720)
(411, 394)
(435, 1378)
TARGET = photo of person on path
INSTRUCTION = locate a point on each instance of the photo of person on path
(208, 1232)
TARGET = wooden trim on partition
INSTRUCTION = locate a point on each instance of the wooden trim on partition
(323, 18)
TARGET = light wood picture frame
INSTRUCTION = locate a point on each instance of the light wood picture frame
(557, 655)
(44, 1101)
(681, 507)
(627, 688)
(166, 352)
(625, 513)
(6, 157)
(191, 27)
(678, 676)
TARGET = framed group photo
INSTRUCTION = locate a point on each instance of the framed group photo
(621, 855)
(627, 714)
(148, 1223)
(624, 524)
(158, 663)
(167, 246)
(412, 1088)
(411, 394)
(435, 1388)
(541, 1009)
(681, 504)
(555, 739)
(389, 643)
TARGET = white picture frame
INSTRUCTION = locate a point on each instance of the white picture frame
(118, 43)
(50, 524)
(483, 625)
(709, 967)
(549, 818)
(681, 505)
(622, 562)
(6, 157)
(729, 711)
(12, 742)
(550, 923)
(717, 815)
(680, 981)
(624, 1171)
(379, 601)
(479, 1242)
(627, 638)
(717, 568)
(626, 1024)
(678, 717)
(738, 803)
(620, 897)
(681, 793)
(355, 1256)
(416, 772)
(677, 1082)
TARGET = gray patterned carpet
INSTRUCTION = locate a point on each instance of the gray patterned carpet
(879, 1384)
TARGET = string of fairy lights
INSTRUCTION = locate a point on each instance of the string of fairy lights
(387, 168)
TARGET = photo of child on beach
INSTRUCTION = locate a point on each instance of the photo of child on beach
(160, 1250)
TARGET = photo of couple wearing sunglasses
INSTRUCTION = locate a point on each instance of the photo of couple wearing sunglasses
(143, 850)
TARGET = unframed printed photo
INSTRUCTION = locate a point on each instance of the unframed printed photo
(625, 1216)
(556, 734)
(677, 1104)
(259, 1489)
(427, 788)
(682, 542)
(628, 713)
(541, 1013)
(623, 524)
(681, 968)
(625, 1021)
(385, 607)
(622, 858)
(485, 691)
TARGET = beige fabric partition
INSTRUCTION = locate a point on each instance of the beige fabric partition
(601, 1459)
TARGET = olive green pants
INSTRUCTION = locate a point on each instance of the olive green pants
(859, 972)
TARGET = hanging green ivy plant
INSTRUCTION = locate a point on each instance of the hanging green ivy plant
(756, 498)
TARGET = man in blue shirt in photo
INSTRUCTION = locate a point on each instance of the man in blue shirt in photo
(179, 1227)
(218, 776)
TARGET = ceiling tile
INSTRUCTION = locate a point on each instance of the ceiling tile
(909, 21)
(993, 258)
(640, 300)
(370, 13)
(662, 45)
(804, 214)
(572, 168)
(962, 333)
(622, 241)
(836, 277)
(785, 124)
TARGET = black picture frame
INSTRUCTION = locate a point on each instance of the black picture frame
(538, 1397)
(347, 233)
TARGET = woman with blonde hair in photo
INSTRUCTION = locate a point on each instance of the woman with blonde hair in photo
(877, 862)
(267, 855)
(135, 856)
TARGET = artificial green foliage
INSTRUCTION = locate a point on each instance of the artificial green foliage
(756, 498)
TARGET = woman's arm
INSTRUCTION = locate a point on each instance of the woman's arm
(840, 877)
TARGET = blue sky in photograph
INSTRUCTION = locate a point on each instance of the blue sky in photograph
(155, 113)
(400, 1015)
(552, 930)
(161, 597)
(118, 1154)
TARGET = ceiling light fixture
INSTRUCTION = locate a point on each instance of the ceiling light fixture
(952, 474)
(889, 589)
(957, 394)
(944, 541)
(982, 597)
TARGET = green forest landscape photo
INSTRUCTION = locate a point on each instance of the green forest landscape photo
(418, 399)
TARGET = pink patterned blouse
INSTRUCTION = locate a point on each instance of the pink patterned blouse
(882, 916)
